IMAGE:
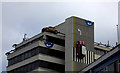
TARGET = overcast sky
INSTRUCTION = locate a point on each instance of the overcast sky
(30, 18)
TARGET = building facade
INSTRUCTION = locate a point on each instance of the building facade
(71, 51)
(39, 53)
(109, 63)
(77, 29)
(100, 49)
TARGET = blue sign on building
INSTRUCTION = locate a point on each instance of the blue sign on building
(89, 23)
(48, 45)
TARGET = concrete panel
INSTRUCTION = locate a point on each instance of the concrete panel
(69, 44)
(67, 28)
(72, 35)
(60, 27)
(85, 33)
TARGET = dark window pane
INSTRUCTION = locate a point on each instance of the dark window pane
(51, 52)
(53, 66)
(44, 64)
(26, 55)
(12, 61)
(55, 40)
(29, 67)
(9, 62)
(29, 53)
(37, 50)
(33, 52)
(19, 58)
(22, 57)
(111, 67)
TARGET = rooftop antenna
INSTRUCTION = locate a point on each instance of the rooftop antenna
(24, 38)
(118, 33)
(108, 45)
(116, 43)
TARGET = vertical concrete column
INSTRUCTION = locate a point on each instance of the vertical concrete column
(77, 29)
(69, 43)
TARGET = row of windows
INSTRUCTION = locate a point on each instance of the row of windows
(52, 52)
(112, 68)
(40, 63)
(99, 52)
(35, 51)
(23, 56)
(55, 40)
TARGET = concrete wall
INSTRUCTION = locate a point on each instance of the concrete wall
(67, 28)
(70, 28)
(85, 33)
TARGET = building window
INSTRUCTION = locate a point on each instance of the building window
(33, 52)
(19, 58)
(111, 67)
(26, 55)
(99, 52)
(53, 66)
(119, 66)
(51, 52)
(22, 56)
(29, 54)
(55, 40)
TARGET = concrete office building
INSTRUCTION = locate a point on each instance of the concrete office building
(56, 52)
(109, 63)
(100, 49)
(37, 54)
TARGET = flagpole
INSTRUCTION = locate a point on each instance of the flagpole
(118, 34)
